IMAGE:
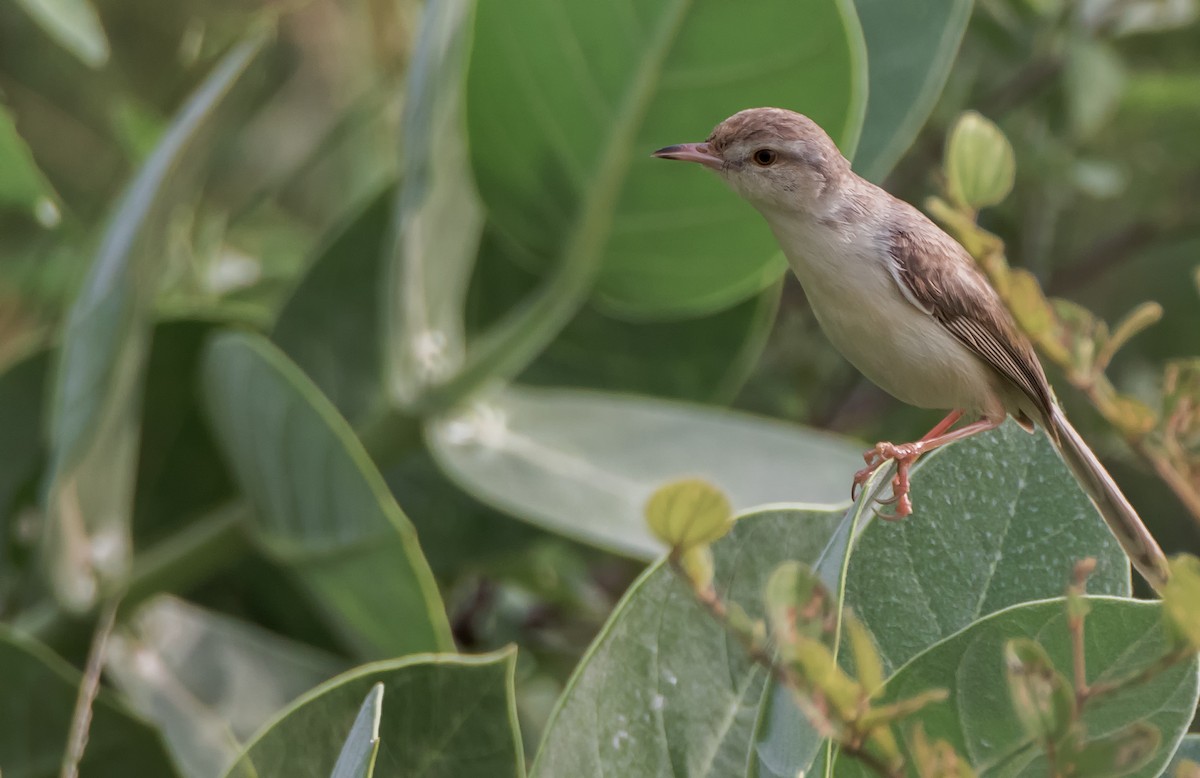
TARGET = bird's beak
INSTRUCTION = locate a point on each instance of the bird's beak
(691, 152)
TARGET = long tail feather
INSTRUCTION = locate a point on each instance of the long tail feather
(1122, 519)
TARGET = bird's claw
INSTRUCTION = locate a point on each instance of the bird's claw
(904, 455)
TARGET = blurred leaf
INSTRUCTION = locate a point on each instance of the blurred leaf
(357, 758)
(584, 463)
(36, 705)
(910, 49)
(999, 520)
(1180, 598)
(95, 423)
(23, 183)
(937, 759)
(689, 512)
(74, 25)
(330, 325)
(208, 681)
(705, 359)
(562, 123)
(980, 165)
(665, 690)
(445, 716)
(439, 217)
(797, 604)
(1094, 79)
(1122, 637)
(868, 665)
(322, 507)
(1123, 752)
(1041, 697)
(1031, 308)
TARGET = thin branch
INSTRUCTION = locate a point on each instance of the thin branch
(89, 687)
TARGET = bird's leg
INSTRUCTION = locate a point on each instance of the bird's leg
(906, 454)
(875, 459)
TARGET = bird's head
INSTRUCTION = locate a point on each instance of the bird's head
(776, 159)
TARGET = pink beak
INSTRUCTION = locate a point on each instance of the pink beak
(691, 152)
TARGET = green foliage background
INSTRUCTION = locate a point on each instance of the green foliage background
(342, 342)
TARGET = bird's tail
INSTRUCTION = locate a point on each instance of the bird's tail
(1122, 519)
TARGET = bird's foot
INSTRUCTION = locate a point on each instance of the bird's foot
(904, 455)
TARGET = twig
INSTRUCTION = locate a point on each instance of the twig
(1163, 663)
(89, 687)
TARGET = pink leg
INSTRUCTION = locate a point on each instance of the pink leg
(875, 459)
(906, 454)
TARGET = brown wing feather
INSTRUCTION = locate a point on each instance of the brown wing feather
(957, 294)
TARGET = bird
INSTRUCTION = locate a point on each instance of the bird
(905, 304)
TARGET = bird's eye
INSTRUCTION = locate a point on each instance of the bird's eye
(764, 157)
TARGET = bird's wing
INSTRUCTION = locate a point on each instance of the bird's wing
(938, 276)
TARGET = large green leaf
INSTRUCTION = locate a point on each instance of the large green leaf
(998, 520)
(439, 217)
(755, 731)
(565, 102)
(74, 25)
(37, 698)
(665, 690)
(910, 46)
(95, 419)
(322, 507)
(208, 681)
(1123, 636)
(443, 717)
(583, 463)
(706, 358)
(330, 325)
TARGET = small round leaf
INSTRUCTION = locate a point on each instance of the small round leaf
(688, 513)
(980, 164)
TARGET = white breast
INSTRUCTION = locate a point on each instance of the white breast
(846, 274)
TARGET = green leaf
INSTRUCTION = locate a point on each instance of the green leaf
(1180, 597)
(704, 359)
(798, 604)
(998, 520)
(980, 163)
(439, 217)
(1122, 637)
(445, 716)
(562, 123)
(689, 512)
(23, 183)
(330, 326)
(357, 759)
(665, 690)
(322, 507)
(910, 49)
(74, 25)
(584, 463)
(97, 397)
(208, 681)
(36, 706)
